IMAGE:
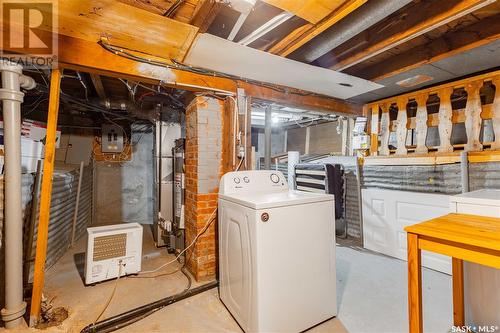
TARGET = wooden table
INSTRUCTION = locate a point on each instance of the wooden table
(462, 237)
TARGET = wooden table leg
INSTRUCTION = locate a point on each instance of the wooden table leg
(414, 285)
(458, 292)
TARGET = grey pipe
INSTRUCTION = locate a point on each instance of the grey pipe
(267, 138)
(75, 215)
(12, 97)
(366, 16)
(464, 171)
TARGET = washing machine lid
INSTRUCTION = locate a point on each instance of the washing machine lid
(488, 197)
(277, 199)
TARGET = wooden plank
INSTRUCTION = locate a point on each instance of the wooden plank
(458, 292)
(429, 22)
(421, 123)
(96, 80)
(374, 130)
(473, 116)
(151, 34)
(495, 113)
(312, 11)
(450, 44)
(445, 124)
(304, 34)
(384, 131)
(414, 285)
(82, 55)
(46, 194)
(205, 13)
(402, 127)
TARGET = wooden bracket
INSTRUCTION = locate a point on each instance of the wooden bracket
(445, 125)
(402, 126)
(473, 111)
(421, 123)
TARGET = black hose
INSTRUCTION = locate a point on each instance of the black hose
(129, 317)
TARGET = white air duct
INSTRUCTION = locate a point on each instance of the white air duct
(12, 97)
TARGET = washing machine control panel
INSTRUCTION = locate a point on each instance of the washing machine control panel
(253, 181)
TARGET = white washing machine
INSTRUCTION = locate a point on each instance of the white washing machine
(481, 283)
(276, 253)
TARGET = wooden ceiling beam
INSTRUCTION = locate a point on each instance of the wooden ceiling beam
(78, 54)
(411, 27)
(302, 35)
(484, 32)
(205, 13)
(97, 82)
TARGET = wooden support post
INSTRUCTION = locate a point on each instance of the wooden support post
(457, 267)
(385, 131)
(402, 126)
(414, 285)
(374, 130)
(495, 117)
(473, 111)
(445, 125)
(421, 124)
(45, 197)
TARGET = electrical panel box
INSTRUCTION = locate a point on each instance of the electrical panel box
(112, 138)
(112, 251)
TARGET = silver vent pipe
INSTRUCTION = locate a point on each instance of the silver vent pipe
(12, 97)
(371, 12)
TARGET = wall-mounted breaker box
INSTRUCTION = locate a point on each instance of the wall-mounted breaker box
(112, 246)
(111, 138)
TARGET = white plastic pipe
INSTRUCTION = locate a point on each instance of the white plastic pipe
(12, 97)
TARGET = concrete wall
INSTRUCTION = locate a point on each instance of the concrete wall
(277, 141)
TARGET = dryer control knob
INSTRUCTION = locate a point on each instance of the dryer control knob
(236, 180)
(275, 178)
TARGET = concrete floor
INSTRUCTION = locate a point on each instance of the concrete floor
(371, 296)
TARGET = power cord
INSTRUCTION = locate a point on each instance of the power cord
(120, 264)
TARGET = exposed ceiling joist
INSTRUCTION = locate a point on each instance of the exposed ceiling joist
(307, 32)
(96, 80)
(448, 45)
(205, 13)
(78, 54)
(266, 27)
(312, 11)
(456, 10)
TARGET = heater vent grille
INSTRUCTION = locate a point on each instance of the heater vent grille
(112, 246)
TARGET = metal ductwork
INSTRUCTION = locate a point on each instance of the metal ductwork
(367, 15)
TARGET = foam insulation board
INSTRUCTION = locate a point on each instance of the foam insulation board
(217, 54)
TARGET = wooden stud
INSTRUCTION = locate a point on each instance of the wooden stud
(374, 130)
(495, 117)
(414, 285)
(445, 125)
(46, 194)
(473, 111)
(421, 124)
(402, 126)
(99, 88)
(458, 292)
(385, 133)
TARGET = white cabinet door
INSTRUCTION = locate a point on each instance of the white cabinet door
(385, 215)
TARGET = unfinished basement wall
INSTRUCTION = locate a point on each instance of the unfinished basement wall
(204, 167)
(323, 139)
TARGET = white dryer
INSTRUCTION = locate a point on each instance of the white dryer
(276, 253)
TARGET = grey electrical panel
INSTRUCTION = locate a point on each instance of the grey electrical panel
(112, 138)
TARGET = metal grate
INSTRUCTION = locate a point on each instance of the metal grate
(112, 246)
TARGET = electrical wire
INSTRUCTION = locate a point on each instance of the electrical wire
(112, 293)
(121, 51)
(202, 231)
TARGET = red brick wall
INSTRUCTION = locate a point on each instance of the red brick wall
(203, 167)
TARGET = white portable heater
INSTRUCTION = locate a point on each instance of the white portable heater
(113, 250)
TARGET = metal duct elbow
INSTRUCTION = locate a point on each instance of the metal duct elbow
(371, 12)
